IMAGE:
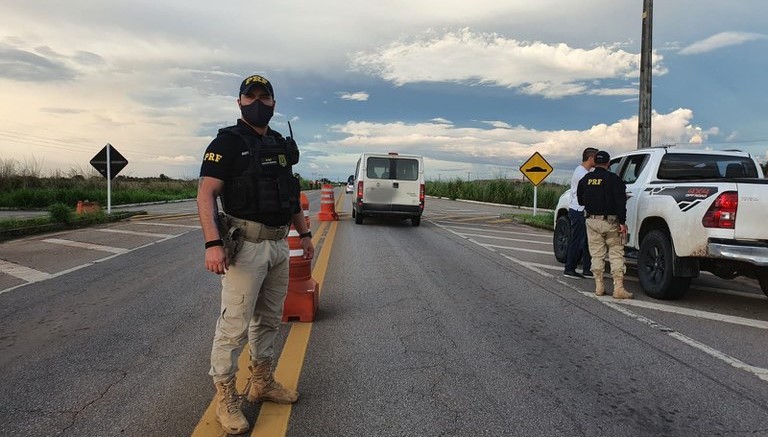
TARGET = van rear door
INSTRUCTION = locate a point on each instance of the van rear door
(393, 180)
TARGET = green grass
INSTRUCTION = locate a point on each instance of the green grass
(540, 220)
(503, 191)
(56, 221)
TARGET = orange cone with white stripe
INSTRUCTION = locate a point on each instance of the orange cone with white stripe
(327, 204)
(303, 291)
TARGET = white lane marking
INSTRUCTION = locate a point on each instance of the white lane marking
(734, 362)
(171, 225)
(510, 239)
(704, 288)
(491, 228)
(81, 266)
(21, 272)
(759, 372)
(81, 245)
(141, 234)
(519, 249)
(697, 313)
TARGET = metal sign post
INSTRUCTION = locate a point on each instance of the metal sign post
(109, 162)
(109, 182)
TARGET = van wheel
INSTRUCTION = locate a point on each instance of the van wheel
(763, 278)
(561, 237)
(654, 268)
(415, 221)
(359, 218)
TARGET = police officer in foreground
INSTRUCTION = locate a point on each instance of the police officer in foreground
(248, 166)
(604, 197)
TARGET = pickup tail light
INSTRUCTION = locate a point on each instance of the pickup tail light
(421, 196)
(722, 213)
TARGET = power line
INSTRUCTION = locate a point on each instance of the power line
(54, 143)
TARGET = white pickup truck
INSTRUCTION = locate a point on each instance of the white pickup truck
(688, 211)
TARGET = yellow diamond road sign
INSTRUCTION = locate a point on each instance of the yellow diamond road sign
(536, 168)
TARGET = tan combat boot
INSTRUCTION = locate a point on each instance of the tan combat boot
(618, 289)
(228, 411)
(263, 387)
(599, 284)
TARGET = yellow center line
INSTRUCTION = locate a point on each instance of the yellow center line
(273, 418)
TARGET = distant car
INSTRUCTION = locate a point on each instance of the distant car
(350, 187)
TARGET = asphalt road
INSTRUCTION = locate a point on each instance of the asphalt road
(461, 326)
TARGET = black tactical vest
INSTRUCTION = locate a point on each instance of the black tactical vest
(267, 186)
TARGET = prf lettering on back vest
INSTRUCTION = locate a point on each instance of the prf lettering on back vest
(594, 181)
(214, 157)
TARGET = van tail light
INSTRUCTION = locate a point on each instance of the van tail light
(421, 196)
(360, 192)
(722, 213)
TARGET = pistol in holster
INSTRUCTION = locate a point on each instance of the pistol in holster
(231, 235)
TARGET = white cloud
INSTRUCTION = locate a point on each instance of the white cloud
(360, 96)
(502, 144)
(720, 40)
(498, 124)
(537, 68)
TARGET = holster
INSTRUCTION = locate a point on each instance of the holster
(231, 235)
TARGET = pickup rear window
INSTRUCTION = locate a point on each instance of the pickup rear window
(682, 166)
(403, 169)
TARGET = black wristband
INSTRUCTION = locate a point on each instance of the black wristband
(306, 234)
(213, 243)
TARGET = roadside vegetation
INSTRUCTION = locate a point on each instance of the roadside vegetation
(503, 191)
(506, 192)
(24, 186)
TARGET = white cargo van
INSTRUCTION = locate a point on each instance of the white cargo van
(389, 184)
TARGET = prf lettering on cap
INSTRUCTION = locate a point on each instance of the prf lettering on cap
(256, 78)
(594, 181)
(213, 157)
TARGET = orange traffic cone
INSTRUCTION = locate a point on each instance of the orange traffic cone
(86, 207)
(303, 291)
(327, 204)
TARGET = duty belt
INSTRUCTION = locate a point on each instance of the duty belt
(256, 232)
(609, 217)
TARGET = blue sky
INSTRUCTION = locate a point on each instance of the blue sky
(475, 87)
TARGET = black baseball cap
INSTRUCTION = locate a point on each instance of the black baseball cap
(256, 80)
(602, 157)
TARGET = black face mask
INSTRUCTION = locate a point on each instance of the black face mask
(257, 113)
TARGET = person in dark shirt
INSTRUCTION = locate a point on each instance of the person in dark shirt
(248, 166)
(604, 197)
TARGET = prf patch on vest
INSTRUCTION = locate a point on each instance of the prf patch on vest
(267, 161)
(685, 197)
(594, 181)
(212, 157)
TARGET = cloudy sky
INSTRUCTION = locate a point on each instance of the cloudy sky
(475, 86)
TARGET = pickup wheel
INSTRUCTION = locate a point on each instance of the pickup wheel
(654, 268)
(561, 237)
(763, 278)
(415, 221)
(358, 218)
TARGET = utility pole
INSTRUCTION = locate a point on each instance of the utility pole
(646, 65)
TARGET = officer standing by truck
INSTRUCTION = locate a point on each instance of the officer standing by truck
(604, 197)
(249, 166)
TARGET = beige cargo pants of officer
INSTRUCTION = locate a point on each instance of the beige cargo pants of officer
(252, 297)
(603, 236)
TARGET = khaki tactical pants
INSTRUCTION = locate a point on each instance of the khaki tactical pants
(252, 297)
(603, 236)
